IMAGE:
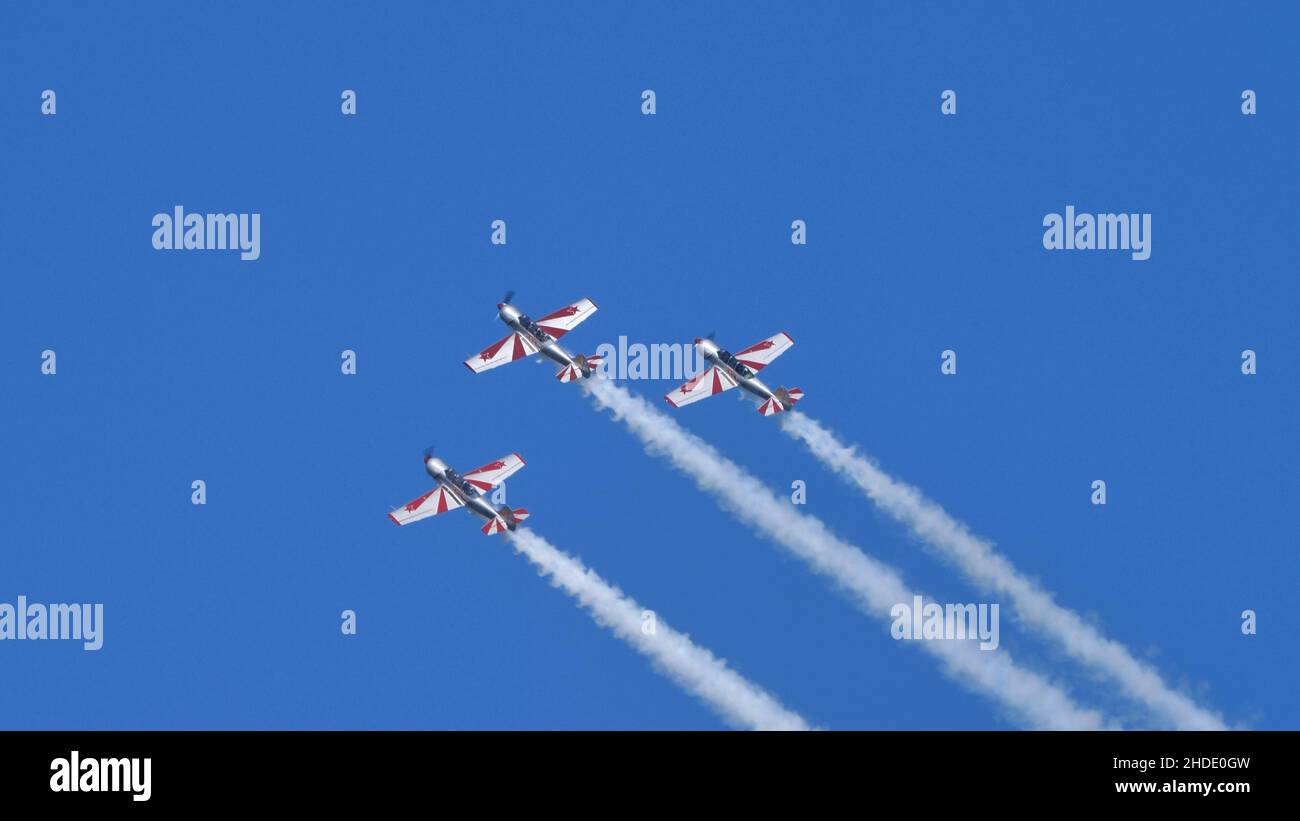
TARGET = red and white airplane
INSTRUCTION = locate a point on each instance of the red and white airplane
(456, 490)
(727, 370)
(528, 337)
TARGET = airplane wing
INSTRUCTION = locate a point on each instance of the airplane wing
(432, 503)
(494, 473)
(709, 382)
(515, 346)
(560, 322)
(759, 355)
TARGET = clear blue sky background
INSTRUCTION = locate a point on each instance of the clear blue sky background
(924, 234)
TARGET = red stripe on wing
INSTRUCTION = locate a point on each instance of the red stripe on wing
(491, 350)
(414, 505)
(758, 346)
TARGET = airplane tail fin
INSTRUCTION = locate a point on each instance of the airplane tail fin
(506, 519)
(583, 366)
(783, 400)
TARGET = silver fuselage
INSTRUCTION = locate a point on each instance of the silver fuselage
(467, 494)
(551, 349)
(744, 377)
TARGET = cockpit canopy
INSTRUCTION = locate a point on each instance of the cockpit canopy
(533, 328)
(734, 363)
(460, 482)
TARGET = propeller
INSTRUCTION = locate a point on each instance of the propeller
(505, 300)
(428, 451)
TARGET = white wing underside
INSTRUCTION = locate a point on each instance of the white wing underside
(761, 354)
(558, 323)
(515, 346)
(438, 500)
(710, 382)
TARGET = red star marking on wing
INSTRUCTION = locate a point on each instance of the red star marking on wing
(411, 507)
(491, 351)
(690, 386)
(568, 310)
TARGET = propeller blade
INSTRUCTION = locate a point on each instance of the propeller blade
(505, 300)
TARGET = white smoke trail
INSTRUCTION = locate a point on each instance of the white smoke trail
(985, 567)
(874, 586)
(740, 702)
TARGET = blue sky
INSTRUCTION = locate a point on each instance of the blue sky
(924, 234)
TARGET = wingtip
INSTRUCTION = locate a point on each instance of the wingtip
(467, 365)
(520, 458)
(393, 519)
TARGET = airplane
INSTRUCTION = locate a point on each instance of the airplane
(728, 370)
(528, 337)
(465, 490)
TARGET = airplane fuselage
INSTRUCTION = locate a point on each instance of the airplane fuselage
(518, 321)
(465, 493)
(744, 377)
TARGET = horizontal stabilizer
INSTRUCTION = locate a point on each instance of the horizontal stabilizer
(570, 373)
(783, 400)
(506, 519)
